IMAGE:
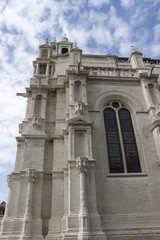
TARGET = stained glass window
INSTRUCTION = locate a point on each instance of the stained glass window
(129, 142)
(121, 143)
(113, 141)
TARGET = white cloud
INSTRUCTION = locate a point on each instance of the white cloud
(97, 3)
(127, 3)
(157, 32)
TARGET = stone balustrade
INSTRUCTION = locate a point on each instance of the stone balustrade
(112, 72)
(106, 71)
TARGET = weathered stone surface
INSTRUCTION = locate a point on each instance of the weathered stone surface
(62, 187)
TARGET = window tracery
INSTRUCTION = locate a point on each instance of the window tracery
(121, 142)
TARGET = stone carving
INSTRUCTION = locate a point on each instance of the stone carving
(44, 53)
(9, 180)
(31, 175)
(79, 108)
(82, 164)
(158, 109)
(20, 127)
(83, 196)
(36, 121)
(112, 72)
(75, 45)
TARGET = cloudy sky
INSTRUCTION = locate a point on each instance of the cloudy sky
(98, 26)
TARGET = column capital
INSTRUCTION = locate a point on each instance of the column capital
(82, 164)
(31, 175)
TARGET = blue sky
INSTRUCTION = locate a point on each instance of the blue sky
(98, 26)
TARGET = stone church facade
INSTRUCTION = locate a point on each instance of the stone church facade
(88, 154)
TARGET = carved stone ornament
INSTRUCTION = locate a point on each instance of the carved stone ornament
(82, 164)
(158, 109)
(83, 196)
(31, 175)
(36, 121)
(20, 127)
(9, 180)
(79, 108)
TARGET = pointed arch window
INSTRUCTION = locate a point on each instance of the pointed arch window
(121, 142)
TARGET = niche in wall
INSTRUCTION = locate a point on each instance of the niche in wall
(78, 91)
(38, 105)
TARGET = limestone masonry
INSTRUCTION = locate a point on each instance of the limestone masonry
(88, 154)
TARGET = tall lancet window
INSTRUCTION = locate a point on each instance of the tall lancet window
(121, 142)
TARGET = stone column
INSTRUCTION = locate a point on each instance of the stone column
(147, 96)
(32, 106)
(89, 143)
(64, 219)
(47, 69)
(52, 70)
(71, 93)
(9, 181)
(82, 164)
(71, 142)
(84, 97)
(37, 68)
(28, 110)
(31, 175)
(43, 108)
(157, 91)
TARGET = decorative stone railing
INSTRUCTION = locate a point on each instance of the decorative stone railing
(111, 72)
(105, 71)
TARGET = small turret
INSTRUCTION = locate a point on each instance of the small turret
(136, 59)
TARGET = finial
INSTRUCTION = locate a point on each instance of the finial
(75, 45)
(133, 49)
(47, 41)
(65, 39)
